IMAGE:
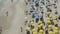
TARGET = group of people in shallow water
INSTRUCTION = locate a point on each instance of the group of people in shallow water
(44, 21)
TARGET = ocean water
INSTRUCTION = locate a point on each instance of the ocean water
(2, 3)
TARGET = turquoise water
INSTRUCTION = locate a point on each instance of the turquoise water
(2, 3)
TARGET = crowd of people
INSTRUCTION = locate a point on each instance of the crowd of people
(45, 17)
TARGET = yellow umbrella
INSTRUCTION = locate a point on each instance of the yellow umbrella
(27, 28)
(41, 31)
(50, 32)
(32, 22)
(33, 30)
(56, 16)
(49, 22)
(56, 28)
(55, 21)
(39, 26)
(49, 26)
(56, 32)
(48, 19)
(50, 16)
(59, 28)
